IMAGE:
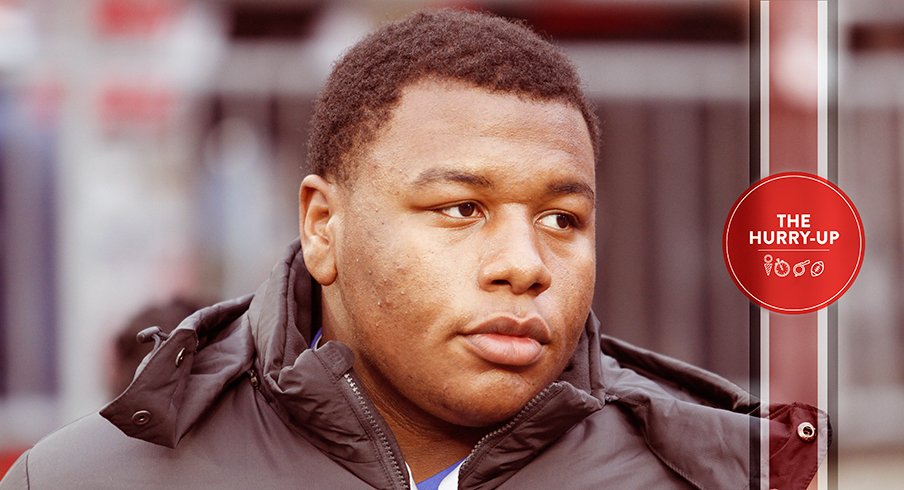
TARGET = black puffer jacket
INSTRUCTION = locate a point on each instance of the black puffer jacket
(236, 399)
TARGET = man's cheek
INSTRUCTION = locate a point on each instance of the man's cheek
(580, 281)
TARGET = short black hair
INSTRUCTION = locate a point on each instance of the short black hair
(481, 49)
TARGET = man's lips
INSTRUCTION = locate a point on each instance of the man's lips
(509, 341)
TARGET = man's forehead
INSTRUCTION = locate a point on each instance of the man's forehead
(453, 123)
(445, 105)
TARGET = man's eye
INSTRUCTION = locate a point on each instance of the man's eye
(558, 221)
(463, 210)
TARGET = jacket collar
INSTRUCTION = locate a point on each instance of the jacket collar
(180, 379)
(312, 391)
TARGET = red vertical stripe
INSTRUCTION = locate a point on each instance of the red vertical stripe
(793, 55)
(793, 45)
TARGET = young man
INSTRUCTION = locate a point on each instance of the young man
(433, 325)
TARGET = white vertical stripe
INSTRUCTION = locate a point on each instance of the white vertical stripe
(822, 165)
(764, 398)
(764, 89)
(764, 172)
(822, 91)
(822, 356)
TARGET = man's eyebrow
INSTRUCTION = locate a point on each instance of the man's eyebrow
(434, 175)
(572, 187)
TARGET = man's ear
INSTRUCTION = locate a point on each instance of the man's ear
(317, 201)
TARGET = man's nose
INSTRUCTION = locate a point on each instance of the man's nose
(512, 259)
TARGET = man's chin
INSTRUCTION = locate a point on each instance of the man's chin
(484, 409)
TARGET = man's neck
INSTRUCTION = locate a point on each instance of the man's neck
(429, 445)
(429, 453)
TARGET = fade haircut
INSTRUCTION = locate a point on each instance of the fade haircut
(483, 50)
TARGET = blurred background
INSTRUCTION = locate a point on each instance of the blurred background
(153, 148)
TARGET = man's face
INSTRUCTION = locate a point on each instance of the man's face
(465, 252)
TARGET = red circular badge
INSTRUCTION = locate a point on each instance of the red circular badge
(793, 242)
